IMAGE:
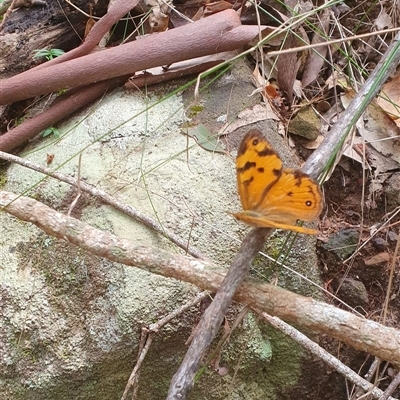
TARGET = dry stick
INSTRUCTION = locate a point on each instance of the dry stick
(145, 343)
(307, 313)
(391, 388)
(321, 353)
(209, 324)
(150, 331)
(358, 391)
(330, 42)
(150, 78)
(388, 296)
(317, 162)
(183, 380)
(64, 106)
(106, 198)
(217, 33)
(7, 13)
(100, 28)
(78, 195)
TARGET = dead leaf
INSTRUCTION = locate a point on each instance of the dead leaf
(158, 21)
(384, 21)
(313, 144)
(377, 129)
(90, 22)
(212, 8)
(249, 116)
(389, 99)
(316, 57)
(370, 159)
(49, 158)
(299, 7)
(351, 152)
(288, 65)
(270, 92)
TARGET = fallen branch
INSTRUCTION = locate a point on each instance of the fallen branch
(107, 199)
(218, 33)
(306, 313)
(178, 70)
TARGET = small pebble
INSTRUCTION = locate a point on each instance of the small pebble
(379, 243)
(392, 236)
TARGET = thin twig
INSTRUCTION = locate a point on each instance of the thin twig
(147, 336)
(391, 281)
(358, 392)
(391, 388)
(271, 54)
(78, 195)
(106, 198)
(321, 353)
(7, 14)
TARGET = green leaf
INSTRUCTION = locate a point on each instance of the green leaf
(51, 131)
(41, 53)
(49, 54)
(57, 52)
(205, 139)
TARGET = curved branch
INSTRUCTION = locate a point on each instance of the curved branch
(307, 313)
(107, 199)
(74, 100)
(100, 28)
(215, 34)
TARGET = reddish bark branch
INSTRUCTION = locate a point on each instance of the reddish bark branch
(59, 110)
(69, 103)
(217, 33)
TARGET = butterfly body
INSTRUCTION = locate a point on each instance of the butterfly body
(271, 196)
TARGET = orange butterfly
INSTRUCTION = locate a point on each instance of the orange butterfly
(271, 196)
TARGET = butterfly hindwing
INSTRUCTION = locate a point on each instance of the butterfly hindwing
(294, 196)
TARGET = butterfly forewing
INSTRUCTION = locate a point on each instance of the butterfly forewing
(295, 196)
(258, 168)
